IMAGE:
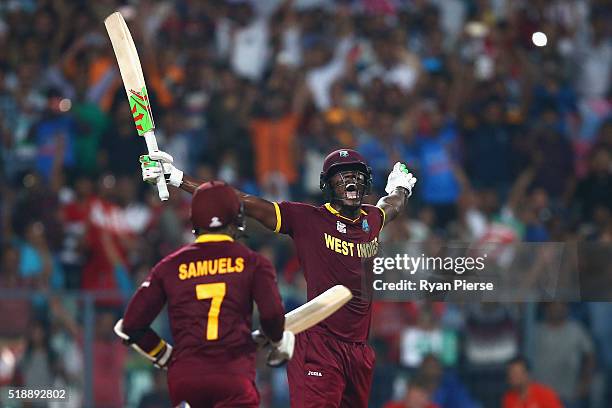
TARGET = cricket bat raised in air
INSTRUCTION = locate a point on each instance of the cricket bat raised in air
(133, 80)
(317, 310)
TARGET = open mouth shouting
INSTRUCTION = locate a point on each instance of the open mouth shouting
(351, 191)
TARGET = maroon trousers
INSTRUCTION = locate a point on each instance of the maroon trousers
(329, 373)
(213, 391)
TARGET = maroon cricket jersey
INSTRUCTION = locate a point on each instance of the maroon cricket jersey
(210, 287)
(335, 250)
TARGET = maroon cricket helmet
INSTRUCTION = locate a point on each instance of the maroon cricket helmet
(214, 205)
(341, 159)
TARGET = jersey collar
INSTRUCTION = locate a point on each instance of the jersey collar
(213, 238)
(332, 210)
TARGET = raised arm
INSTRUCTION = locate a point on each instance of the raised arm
(394, 203)
(399, 188)
(257, 208)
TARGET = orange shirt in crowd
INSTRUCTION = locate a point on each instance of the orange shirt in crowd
(100, 66)
(274, 145)
(538, 396)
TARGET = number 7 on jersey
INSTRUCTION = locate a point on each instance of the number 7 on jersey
(216, 292)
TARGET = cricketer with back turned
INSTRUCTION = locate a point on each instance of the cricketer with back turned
(209, 287)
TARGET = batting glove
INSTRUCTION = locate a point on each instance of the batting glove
(151, 166)
(162, 358)
(260, 339)
(282, 351)
(400, 176)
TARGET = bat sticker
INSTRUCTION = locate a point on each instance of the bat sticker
(141, 111)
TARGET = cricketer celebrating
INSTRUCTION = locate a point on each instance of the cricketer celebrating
(210, 286)
(333, 364)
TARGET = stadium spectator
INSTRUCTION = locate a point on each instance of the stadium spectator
(55, 132)
(438, 150)
(428, 336)
(37, 369)
(65, 344)
(488, 150)
(593, 194)
(109, 361)
(38, 265)
(601, 329)
(446, 388)
(10, 278)
(563, 355)
(523, 391)
(249, 34)
(553, 156)
(595, 56)
(491, 339)
(274, 129)
(74, 214)
(417, 396)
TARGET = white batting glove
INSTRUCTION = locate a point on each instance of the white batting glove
(159, 360)
(282, 351)
(400, 176)
(163, 357)
(151, 166)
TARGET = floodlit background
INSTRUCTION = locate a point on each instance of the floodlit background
(510, 141)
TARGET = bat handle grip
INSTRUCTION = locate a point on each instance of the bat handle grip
(162, 187)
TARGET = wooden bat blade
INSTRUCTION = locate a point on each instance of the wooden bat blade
(131, 72)
(125, 51)
(318, 309)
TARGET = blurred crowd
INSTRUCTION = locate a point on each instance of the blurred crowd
(510, 142)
